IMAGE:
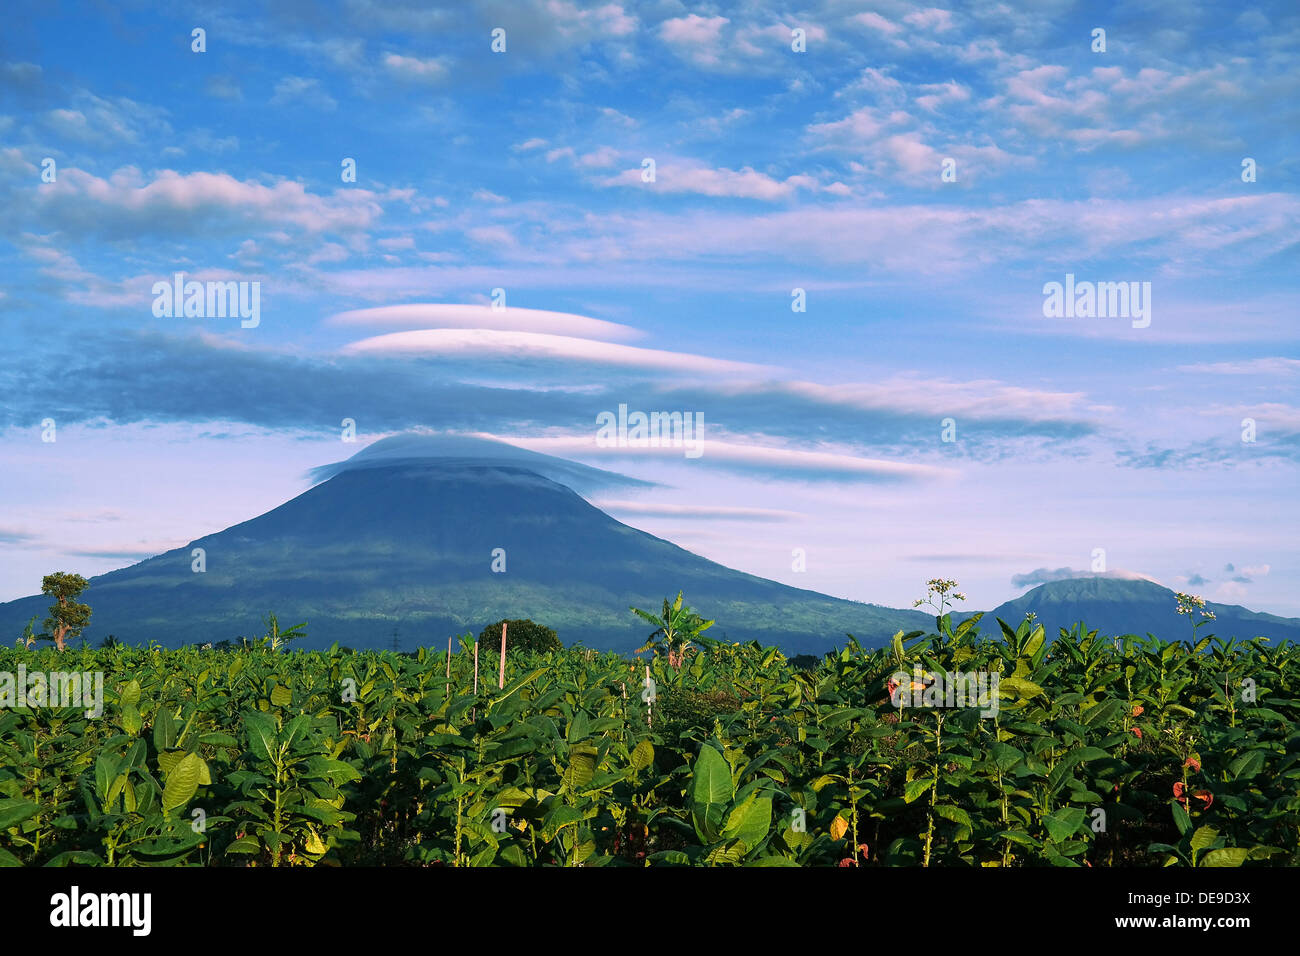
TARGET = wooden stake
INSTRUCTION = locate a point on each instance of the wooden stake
(448, 694)
(501, 678)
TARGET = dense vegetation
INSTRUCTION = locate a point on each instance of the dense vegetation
(1103, 752)
(522, 635)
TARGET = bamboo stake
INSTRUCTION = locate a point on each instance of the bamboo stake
(501, 678)
(448, 694)
(473, 710)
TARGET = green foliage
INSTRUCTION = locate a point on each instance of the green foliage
(675, 629)
(522, 635)
(275, 639)
(68, 618)
(1186, 753)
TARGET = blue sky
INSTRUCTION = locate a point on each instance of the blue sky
(775, 170)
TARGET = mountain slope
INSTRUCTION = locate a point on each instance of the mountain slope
(409, 546)
(1115, 606)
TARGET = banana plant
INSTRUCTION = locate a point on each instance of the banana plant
(676, 628)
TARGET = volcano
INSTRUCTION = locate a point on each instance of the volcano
(404, 537)
(1116, 606)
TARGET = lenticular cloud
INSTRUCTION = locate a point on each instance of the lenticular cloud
(413, 448)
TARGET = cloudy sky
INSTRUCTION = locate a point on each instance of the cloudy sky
(648, 185)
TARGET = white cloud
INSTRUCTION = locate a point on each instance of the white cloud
(416, 70)
(301, 89)
(600, 158)
(516, 345)
(198, 203)
(829, 463)
(687, 177)
(1260, 366)
(937, 94)
(724, 512)
(931, 18)
(876, 22)
(695, 38)
(513, 318)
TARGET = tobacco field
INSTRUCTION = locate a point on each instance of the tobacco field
(1103, 752)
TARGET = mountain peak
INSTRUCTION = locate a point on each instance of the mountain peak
(1115, 605)
(455, 450)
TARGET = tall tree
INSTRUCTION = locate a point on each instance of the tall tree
(67, 617)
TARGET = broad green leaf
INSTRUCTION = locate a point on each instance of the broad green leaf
(727, 854)
(130, 693)
(581, 768)
(295, 730)
(1203, 837)
(1005, 756)
(711, 790)
(182, 782)
(670, 857)
(1063, 823)
(579, 728)
(823, 780)
(1035, 641)
(1020, 686)
(131, 722)
(917, 787)
(1103, 713)
(263, 738)
(15, 811)
(164, 730)
(337, 772)
(1228, 856)
(281, 696)
(643, 755)
(105, 771)
(749, 821)
(1181, 819)
(955, 814)
(1247, 765)
(246, 844)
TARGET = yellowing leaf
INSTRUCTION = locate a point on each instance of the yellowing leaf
(839, 827)
(314, 844)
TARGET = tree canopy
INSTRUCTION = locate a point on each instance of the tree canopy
(522, 635)
(68, 618)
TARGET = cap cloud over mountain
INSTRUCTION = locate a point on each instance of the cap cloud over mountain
(472, 450)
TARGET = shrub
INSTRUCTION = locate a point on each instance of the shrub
(522, 636)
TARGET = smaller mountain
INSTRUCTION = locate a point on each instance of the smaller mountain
(1116, 606)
